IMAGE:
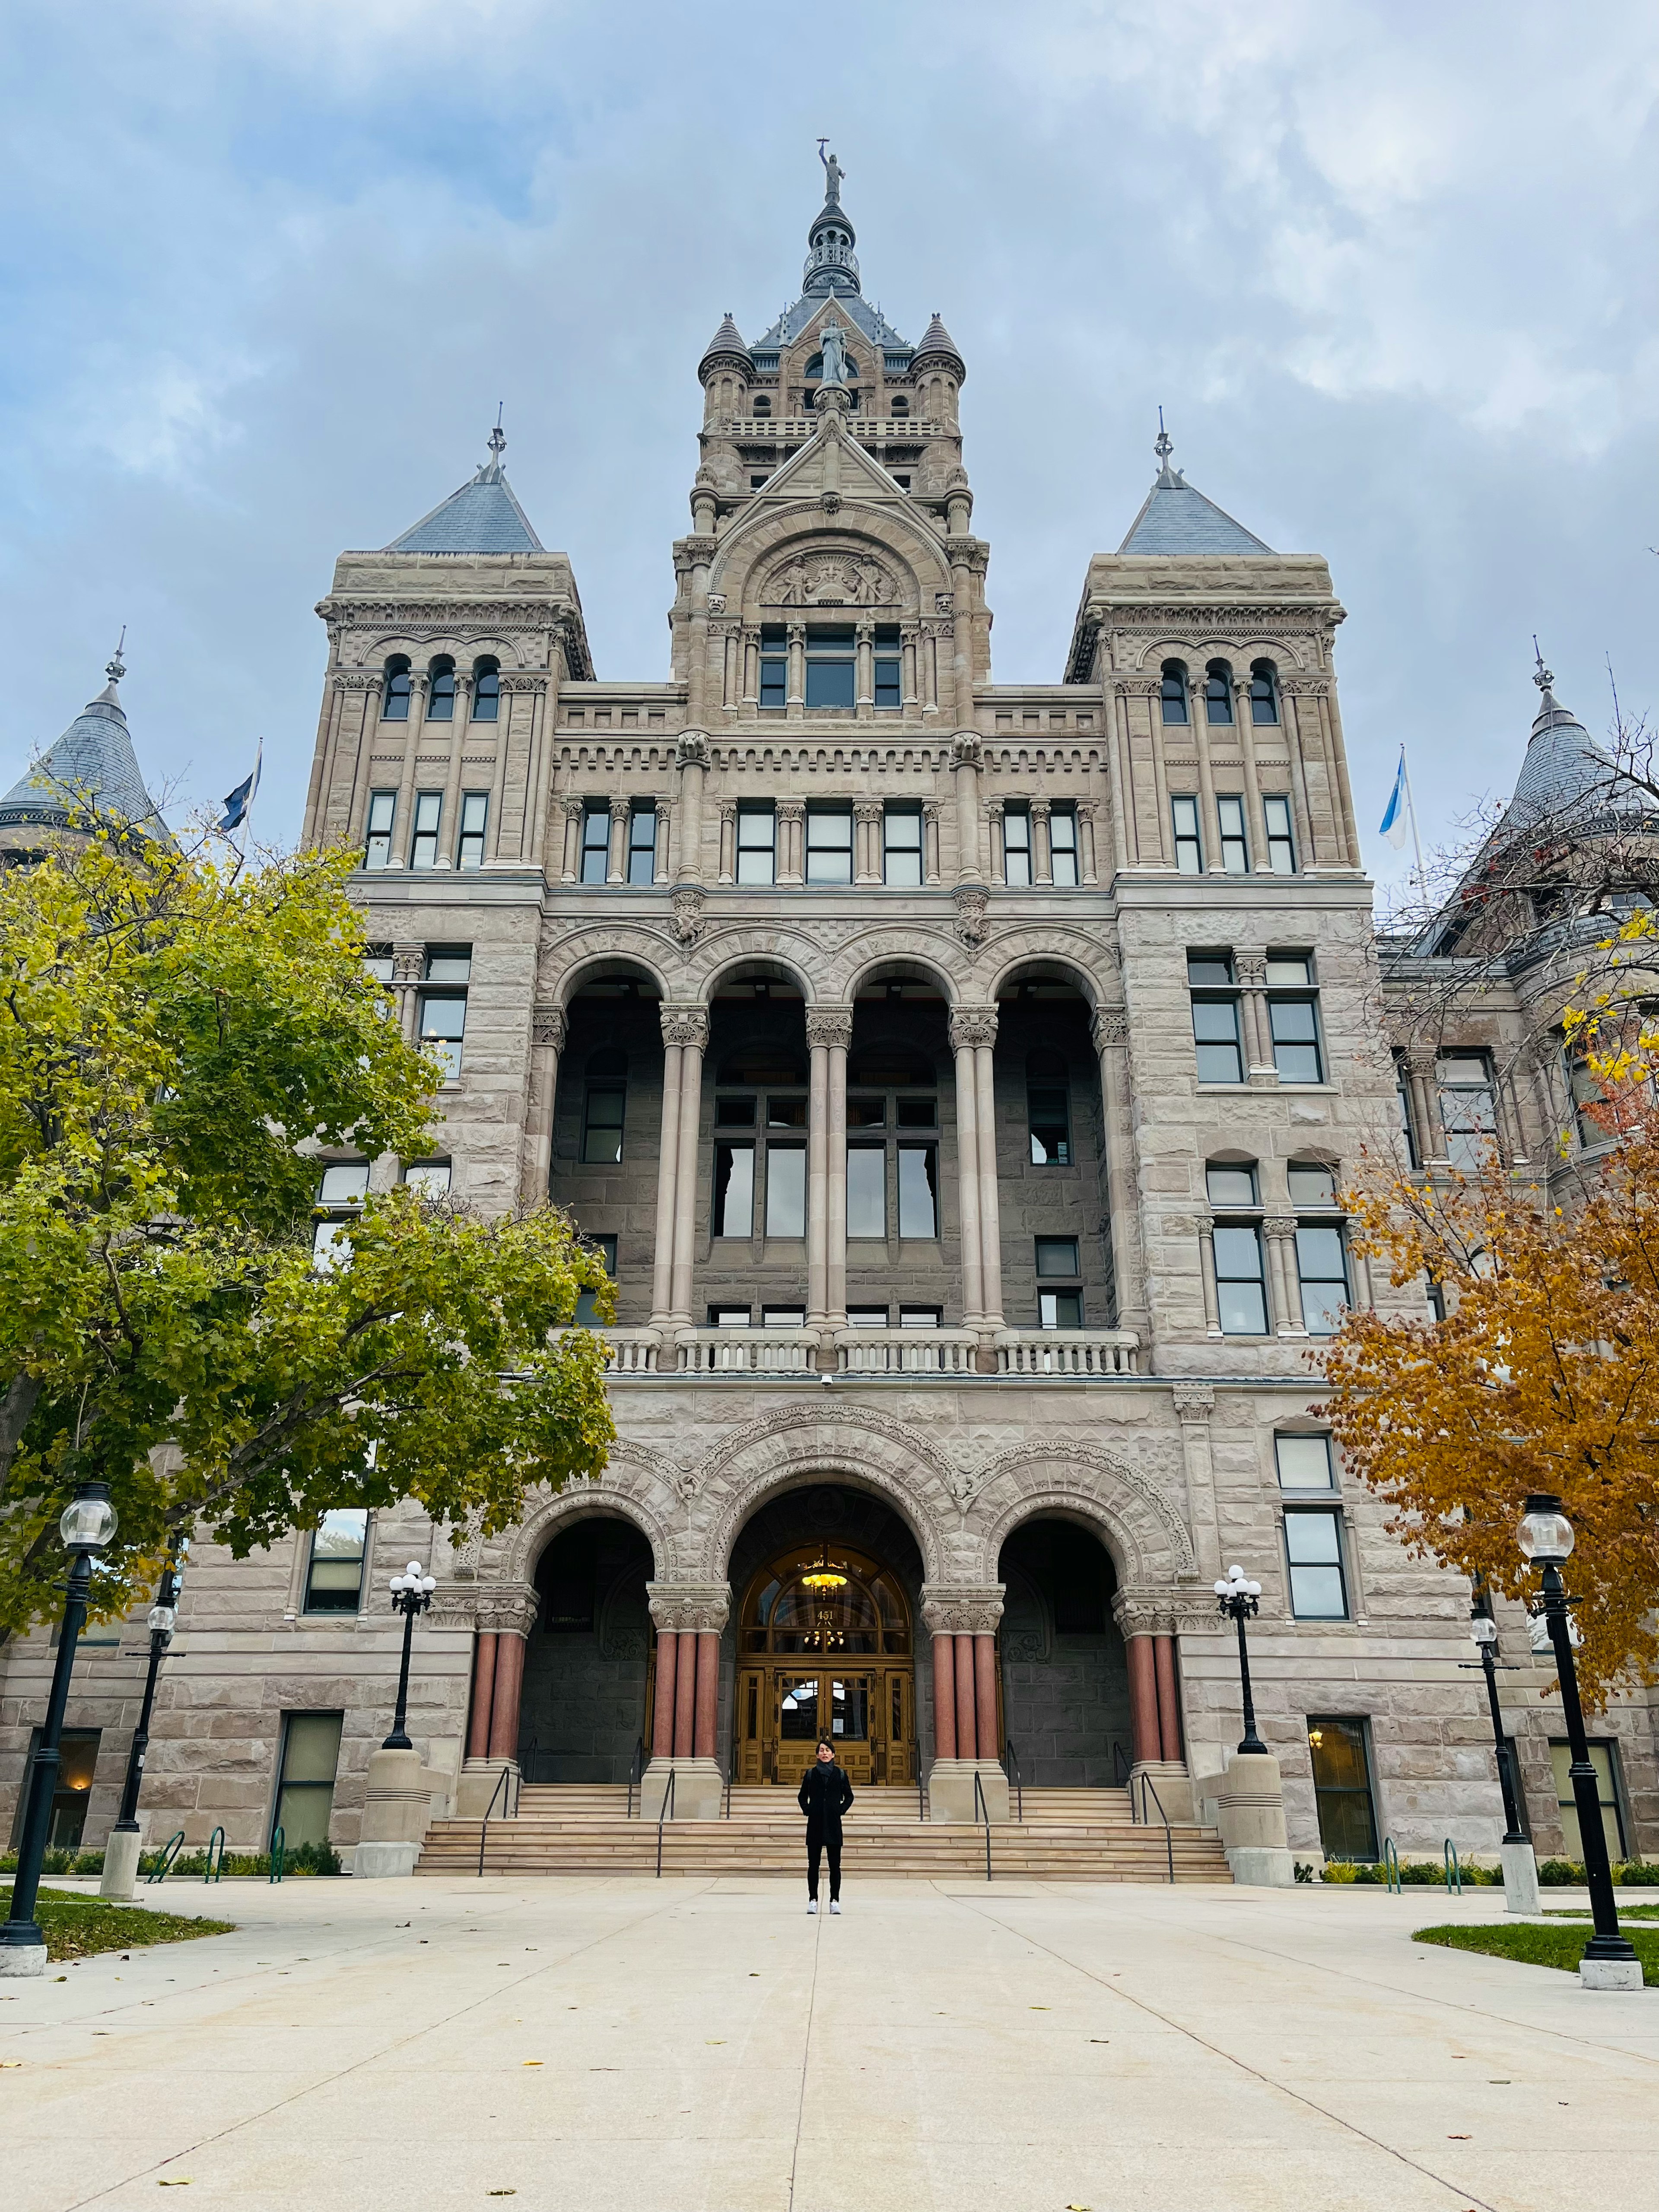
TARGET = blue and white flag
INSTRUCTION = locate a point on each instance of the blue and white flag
(1393, 825)
(238, 804)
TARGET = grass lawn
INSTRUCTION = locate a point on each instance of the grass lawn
(1540, 1947)
(1626, 1912)
(76, 1926)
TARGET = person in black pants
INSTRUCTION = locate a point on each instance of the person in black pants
(825, 1795)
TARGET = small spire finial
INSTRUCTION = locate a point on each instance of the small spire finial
(116, 668)
(497, 441)
(1163, 444)
(1542, 677)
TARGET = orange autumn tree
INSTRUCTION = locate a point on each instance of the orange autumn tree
(1543, 1376)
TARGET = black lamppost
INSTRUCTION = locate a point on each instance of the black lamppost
(87, 1524)
(163, 1619)
(1240, 1601)
(1484, 1630)
(1545, 1537)
(411, 1593)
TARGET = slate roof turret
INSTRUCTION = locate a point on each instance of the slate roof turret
(939, 349)
(1563, 763)
(725, 350)
(1176, 518)
(93, 765)
(482, 516)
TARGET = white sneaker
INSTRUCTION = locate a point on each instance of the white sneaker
(835, 1904)
(811, 1905)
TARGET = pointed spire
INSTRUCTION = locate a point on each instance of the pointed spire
(725, 350)
(91, 764)
(1563, 762)
(939, 350)
(1163, 446)
(1542, 677)
(482, 516)
(115, 668)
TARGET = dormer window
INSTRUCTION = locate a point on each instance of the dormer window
(441, 695)
(394, 700)
(1173, 691)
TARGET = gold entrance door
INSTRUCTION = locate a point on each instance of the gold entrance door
(825, 1651)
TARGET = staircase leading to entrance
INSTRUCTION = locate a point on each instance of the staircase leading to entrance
(1066, 1835)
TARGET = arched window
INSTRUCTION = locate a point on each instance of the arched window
(1217, 692)
(1173, 691)
(1264, 691)
(763, 405)
(900, 405)
(394, 702)
(441, 693)
(486, 690)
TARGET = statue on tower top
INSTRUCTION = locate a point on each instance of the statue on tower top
(832, 173)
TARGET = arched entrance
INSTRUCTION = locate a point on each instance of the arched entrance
(827, 1582)
(1065, 1673)
(583, 1709)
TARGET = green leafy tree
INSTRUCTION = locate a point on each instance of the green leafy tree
(176, 1037)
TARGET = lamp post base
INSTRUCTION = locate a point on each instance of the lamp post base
(1520, 1878)
(121, 1865)
(19, 1957)
(1599, 1973)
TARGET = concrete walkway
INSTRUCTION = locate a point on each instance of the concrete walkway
(690, 2047)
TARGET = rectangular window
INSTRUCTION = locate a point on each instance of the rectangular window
(920, 1317)
(378, 962)
(1313, 1547)
(1188, 845)
(1402, 1092)
(866, 1113)
(1057, 1255)
(423, 846)
(867, 1190)
(728, 1316)
(889, 675)
(901, 846)
(758, 835)
(1215, 1018)
(642, 842)
(785, 1190)
(1342, 1787)
(334, 1576)
(1048, 1122)
(1322, 1268)
(587, 1307)
(601, 1124)
(1062, 847)
(449, 964)
(77, 1762)
(786, 1113)
(1281, 837)
(828, 844)
(867, 1317)
(916, 1113)
(831, 665)
(1228, 1187)
(783, 1316)
(596, 844)
(443, 1025)
(475, 814)
(304, 1786)
(1241, 1292)
(1059, 1308)
(1293, 1024)
(1235, 847)
(775, 665)
(1588, 1099)
(1603, 1756)
(430, 1178)
(734, 1192)
(918, 1190)
(377, 845)
(1303, 1461)
(1469, 1109)
(1310, 1185)
(344, 1183)
(1016, 846)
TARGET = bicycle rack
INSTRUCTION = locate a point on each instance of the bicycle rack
(278, 1854)
(215, 1869)
(1453, 1872)
(168, 1855)
(1391, 1867)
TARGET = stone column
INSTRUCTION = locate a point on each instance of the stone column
(509, 1685)
(795, 695)
(964, 763)
(818, 1178)
(1143, 1699)
(662, 1710)
(547, 1035)
(962, 1618)
(408, 970)
(615, 869)
(1160, 1787)
(1169, 1705)
(505, 1615)
(1250, 966)
(997, 851)
(691, 1032)
(1088, 866)
(692, 1614)
(869, 864)
(791, 820)
(964, 1027)
(990, 1211)
(674, 1025)
(1110, 1030)
(691, 756)
(728, 861)
(930, 860)
(483, 1691)
(1206, 1274)
(1043, 859)
(573, 811)
(1280, 1230)
(828, 1033)
(1194, 1403)
(659, 855)
(865, 686)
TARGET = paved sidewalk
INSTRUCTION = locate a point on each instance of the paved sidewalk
(692, 2046)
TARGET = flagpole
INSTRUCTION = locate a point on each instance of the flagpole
(1410, 809)
(258, 760)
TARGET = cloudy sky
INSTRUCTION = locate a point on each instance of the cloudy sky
(269, 265)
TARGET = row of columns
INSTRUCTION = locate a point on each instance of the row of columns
(687, 1694)
(1043, 859)
(1154, 1706)
(965, 1695)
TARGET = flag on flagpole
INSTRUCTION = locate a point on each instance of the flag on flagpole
(238, 804)
(1393, 825)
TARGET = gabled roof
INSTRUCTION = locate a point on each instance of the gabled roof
(92, 765)
(1176, 518)
(482, 516)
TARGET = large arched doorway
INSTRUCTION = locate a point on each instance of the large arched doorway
(826, 1585)
(1065, 1673)
(583, 1711)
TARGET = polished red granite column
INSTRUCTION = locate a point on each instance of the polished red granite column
(1169, 1705)
(1143, 1699)
(708, 1680)
(483, 1692)
(967, 1732)
(685, 1697)
(985, 1694)
(509, 1682)
(662, 1710)
(944, 1697)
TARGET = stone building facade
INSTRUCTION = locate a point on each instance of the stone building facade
(958, 1075)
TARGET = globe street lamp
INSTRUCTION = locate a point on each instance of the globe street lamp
(1545, 1538)
(121, 1859)
(411, 1593)
(1239, 1601)
(87, 1525)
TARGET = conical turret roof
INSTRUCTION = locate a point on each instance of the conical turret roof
(1176, 517)
(92, 766)
(1563, 763)
(482, 516)
(727, 344)
(936, 341)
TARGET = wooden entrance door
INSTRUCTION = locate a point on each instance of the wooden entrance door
(866, 1712)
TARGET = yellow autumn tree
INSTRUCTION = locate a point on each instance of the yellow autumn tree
(1543, 1376)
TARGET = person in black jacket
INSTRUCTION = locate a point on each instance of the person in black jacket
(825, 1795)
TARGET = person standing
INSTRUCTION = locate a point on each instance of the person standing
(825, 1795)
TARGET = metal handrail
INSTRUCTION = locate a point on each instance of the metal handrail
(979, 1806)
(1147, 1783)
(278, 1852)
(171, 1851)
(726, 1798)
(636, 1778)
(500, 1790)
(214, 1869)
(921, 1793)
(667, 1807)
(1013, 1758)
(1119, 1760)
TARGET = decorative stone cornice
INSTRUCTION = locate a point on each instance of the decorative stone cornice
(973, 905)
(683, 1024)
(830, 1025)
(962, 1609)
(547, 1027)
(1110, 1026)
(972, 1026)
(689, 1608)
(528, 685)
(358, 679)
(505, 1609)
(687, 913)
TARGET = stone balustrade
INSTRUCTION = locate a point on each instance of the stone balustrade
(906, 1350)
(1067, 1351)
(747, 1351)
(1064, 1354)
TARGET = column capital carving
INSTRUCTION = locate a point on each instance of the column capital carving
(868, 809)
(1279, 1225)
(407, 962)
(931, 809)
(547, 1026)
(962, 1608)
(790, 810)
(1141, 1609)
(689, 1608)
(575, 808)
(619, 810)
(506, 1609)
(1110, 1026)
(994, 809)
(358, 679)
(1040, 809)
(1251, 970)
(830, 1025)
(728, 810)
(683, 1025)
(1193, 1402)
(972, 1026)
